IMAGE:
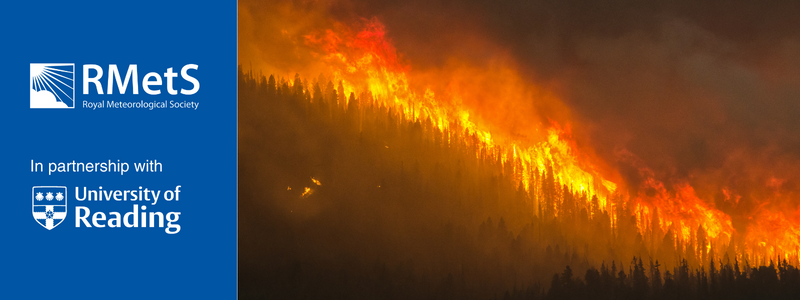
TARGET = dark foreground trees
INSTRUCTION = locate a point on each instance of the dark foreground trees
(721, 282)
(401, 209)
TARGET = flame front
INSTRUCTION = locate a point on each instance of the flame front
(364, 62)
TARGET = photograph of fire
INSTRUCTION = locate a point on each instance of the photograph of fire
(542, 149)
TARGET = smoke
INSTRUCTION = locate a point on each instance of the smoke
(704, 93)
(699, 93)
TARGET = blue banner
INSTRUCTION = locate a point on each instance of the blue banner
(119, 152)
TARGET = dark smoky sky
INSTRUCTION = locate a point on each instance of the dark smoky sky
(701, 91)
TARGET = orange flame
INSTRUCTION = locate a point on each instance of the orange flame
(367, 61)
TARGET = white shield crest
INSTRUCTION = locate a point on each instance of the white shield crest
(49, 205)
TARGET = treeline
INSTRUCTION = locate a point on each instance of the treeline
(721, 281)
(405, 210)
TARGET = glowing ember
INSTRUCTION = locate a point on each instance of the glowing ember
(307, 192)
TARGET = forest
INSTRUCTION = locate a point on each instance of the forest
(341, 197)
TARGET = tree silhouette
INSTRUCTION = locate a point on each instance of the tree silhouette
(412, 210)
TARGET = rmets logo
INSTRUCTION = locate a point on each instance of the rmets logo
(49, 205)
(52, 85)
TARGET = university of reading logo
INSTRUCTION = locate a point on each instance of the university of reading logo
(52, 85)
(49, 205)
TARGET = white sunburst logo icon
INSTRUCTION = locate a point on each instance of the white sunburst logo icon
(52, 85)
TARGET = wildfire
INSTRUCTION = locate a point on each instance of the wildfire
(366, 61)
(681, 210)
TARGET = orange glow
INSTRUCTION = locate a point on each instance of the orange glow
(307, 192)
(683, 209)
(366, 61)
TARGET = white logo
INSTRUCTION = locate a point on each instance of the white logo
(52, 85)
(49, 205)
